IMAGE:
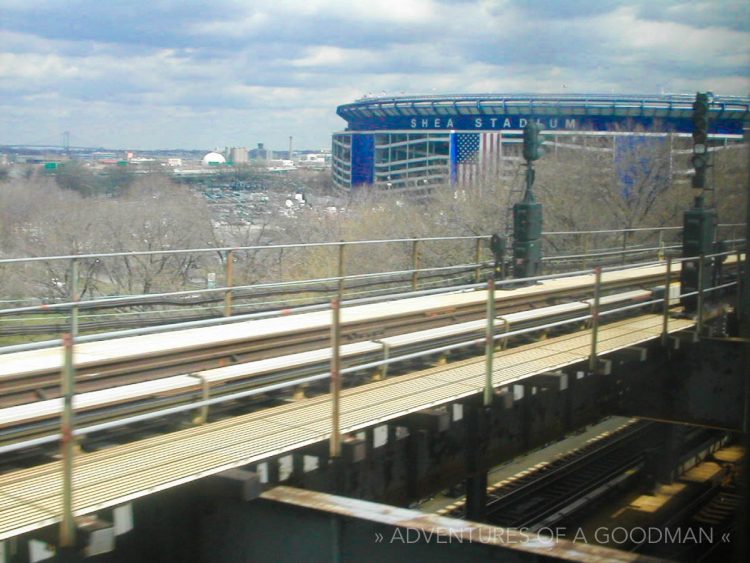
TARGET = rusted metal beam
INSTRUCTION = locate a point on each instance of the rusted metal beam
(595, 319)
(391, 523)
(229, 283)
(335, 444)
(67, 445)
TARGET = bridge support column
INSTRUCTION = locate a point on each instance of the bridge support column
(522, 393)
(476, 496)
(273, 471)
(667, 465)
(478, 420)
(417, 454)
(425, 446)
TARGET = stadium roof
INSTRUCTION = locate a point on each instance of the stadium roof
(667, 106)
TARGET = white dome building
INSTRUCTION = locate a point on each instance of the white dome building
(213, 159)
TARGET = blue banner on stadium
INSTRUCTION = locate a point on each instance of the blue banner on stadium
(363, 159)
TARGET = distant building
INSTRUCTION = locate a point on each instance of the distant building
(213, 159)
(260, 153)
(314, 160)
(238, 155)
(417, 141)
(280, 165)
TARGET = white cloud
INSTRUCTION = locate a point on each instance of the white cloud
(675, 39)
(333, 56)
(243, 72)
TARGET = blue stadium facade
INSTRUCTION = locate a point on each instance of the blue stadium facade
(418, 141)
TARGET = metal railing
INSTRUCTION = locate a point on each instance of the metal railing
(232, 298)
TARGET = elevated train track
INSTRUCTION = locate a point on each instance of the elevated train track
(91, 406)
(145, 373)
(31, 375)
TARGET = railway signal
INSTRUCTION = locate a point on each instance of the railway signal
(527, 215)
(533, 141)
(699, 222)
(700, 118)
(700, 140)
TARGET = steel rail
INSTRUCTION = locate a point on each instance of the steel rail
(234, 319)
(607, 253)
(149, 298)
(134, 299)
(308, 308)
(219, 249)
(616, 455)
(127, 300)
(206, 250)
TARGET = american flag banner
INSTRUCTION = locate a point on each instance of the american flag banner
(474, 155)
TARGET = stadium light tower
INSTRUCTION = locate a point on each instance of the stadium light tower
(527, 215)
(699, 223)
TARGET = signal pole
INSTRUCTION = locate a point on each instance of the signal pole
(527, 215)
(699, 222)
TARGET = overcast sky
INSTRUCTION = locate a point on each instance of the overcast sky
(195, 74)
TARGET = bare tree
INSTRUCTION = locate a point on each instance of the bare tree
(154, 215)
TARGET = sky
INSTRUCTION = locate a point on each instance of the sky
(196, 74)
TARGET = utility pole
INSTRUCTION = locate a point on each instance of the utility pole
(527, 215)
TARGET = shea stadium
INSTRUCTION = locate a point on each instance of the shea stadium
(414, 142)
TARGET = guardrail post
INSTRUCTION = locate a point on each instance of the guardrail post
(586, 247)
(340, 273)
(67, 524)
(489, 347)
(202, 417)
(414, 264)
(229, 283)
(665, 312)
(477, 258)
(661, 252)
(74, 297)
(738, 312)
(595, 320)
(335, 444)
(624, 246)
(701, 269)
